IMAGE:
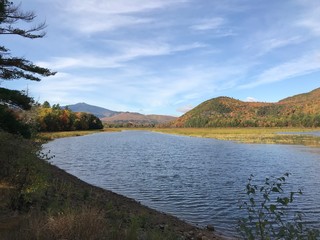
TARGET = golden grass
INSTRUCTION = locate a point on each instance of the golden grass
(85, 223)
(249, 135)
(244, 135)
(55, 135)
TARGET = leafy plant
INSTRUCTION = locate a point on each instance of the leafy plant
(268, 216)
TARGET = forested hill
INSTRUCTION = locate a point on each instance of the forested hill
(302, 110)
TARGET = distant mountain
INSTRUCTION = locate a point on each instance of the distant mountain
(97, 111)
(113, 117)
(138, 118)
(301, 110)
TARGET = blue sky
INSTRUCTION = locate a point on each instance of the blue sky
(167, 56)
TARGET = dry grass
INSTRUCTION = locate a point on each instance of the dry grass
(249, 135)
(85, 223)
(54, 135)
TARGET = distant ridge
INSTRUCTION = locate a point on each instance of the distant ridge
(302, 110)
(115, 117)
(138, 118)
(97, 111)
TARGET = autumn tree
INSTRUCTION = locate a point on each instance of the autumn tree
(57, 118)
(14, 68)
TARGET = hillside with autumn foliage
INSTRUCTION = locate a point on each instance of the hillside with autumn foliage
(301, 110)
(55, 118)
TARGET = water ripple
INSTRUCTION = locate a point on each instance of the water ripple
(198, 180)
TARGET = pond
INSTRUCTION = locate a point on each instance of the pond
(196, 179)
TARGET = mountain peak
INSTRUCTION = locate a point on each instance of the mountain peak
(97, 111)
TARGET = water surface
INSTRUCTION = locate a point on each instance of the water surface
(196, 179)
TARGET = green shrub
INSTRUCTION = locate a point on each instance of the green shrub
(267, 212)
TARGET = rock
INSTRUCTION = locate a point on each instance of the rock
(210, 227)
(204, 238)
(199, 236)
(163, 227)
(187, 235)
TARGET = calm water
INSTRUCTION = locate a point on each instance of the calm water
(196, 179)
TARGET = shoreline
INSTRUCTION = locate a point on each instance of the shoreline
(291, 136)
(159, 219)
(250, 135)
(52, 202)
(123, 209)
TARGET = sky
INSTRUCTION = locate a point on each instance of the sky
(168, 56)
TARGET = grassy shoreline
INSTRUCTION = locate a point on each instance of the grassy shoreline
(56, 200)
(250, 135)
(242, 135)
(40, 201)
(46, 136)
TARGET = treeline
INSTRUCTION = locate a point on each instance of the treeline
(295, 120)
(129, 125)
(55, 118)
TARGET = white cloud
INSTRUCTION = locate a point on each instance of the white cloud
(185, 109)
(127, 51)
(97, 16)
(100, 24)
(273, 43)
(298, 67)
(311, 16)
(251, 99)
(64, 88)
(209, 24)
(216, 25)
(119, 6)
(64, 82)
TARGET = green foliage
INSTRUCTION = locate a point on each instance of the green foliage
(46, 104)
(20, 167)
(10, 122)
(15, 98)
(12, 104)
(267, 212)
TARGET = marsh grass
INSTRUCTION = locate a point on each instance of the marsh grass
(249, 135)
(54, 135)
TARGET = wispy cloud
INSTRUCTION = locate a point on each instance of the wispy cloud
(97, 16)
(217, 26)
(119, 6)
(310, 17)
(127, 51)
(298, 67)
(209, 24)
(271, 44)
(58, 88)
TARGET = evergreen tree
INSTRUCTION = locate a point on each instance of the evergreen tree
(12, 67)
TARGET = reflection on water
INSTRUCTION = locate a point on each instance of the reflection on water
(198, 180)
